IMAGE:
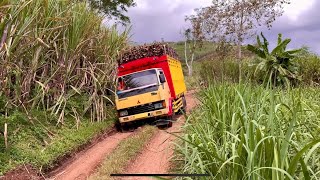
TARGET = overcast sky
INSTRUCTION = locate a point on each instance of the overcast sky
(152, 20)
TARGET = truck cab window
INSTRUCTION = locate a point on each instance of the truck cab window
(121, 84)
(138, 80)
(162, 77)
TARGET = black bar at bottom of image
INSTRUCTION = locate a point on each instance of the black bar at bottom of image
(163, 175)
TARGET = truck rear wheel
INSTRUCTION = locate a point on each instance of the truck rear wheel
(184, 107)
(170, 124)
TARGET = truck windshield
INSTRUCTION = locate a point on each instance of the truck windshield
(137, 80)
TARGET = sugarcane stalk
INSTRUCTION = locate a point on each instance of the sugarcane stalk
(5, 133)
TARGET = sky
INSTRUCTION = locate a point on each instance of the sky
(153, 20)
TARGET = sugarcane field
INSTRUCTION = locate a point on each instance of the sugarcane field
(142, 89)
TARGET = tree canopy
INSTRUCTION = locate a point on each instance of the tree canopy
(113, 8)
(235, 20)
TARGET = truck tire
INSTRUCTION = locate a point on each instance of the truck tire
(170, 124)
(184, 107)
(122, 127)
(118, 126)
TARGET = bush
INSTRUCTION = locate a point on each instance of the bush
(226, 71)
(309, 69)
(277, 66)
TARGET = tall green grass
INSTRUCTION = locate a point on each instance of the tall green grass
(57, 59)
(309, 67)
(250, 132)
(54, 50)
(227, 70)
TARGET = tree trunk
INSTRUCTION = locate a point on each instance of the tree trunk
(186, 59)
(190, 70)
(185, 53)
(239, 51)
(239, 60)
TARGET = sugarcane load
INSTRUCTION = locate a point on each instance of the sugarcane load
(143, 51)
(150, 85)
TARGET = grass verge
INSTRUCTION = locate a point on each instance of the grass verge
(126, 151)
(40, 142)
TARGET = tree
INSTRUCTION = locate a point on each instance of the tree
(235, 20)
(194, 40)
(278, 65)
(113, 8)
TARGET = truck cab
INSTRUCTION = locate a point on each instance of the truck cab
(149, 88)
(142, 94)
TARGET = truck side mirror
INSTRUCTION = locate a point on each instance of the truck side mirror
(162, 78)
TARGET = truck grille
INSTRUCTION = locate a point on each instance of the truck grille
(141, 109)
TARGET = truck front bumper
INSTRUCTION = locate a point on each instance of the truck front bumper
(156, 113)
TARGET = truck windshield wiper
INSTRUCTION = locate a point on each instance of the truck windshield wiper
(145, 87)
(139, 88)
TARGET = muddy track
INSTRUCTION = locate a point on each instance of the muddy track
(156, 156)
(83, 164)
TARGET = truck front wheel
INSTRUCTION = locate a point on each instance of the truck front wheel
(118, 126)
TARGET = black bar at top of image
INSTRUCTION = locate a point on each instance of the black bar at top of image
(163, 175)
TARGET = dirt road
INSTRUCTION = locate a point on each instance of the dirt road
(86, 162)
(155, 158)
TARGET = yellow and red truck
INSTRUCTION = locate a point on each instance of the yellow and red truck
(150, 88)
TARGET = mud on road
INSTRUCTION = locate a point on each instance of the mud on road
(154, 159)
(156, 156)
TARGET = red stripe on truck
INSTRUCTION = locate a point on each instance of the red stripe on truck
(148, 63)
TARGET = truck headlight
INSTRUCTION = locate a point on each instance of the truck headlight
(123, 113)
(160, 105)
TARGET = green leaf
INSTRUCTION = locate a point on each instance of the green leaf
(295, 160)
(305, 170)
(294, 51)
(281, 47)
(256, 50)
(279, 38)
(259, 41)
(265, 43)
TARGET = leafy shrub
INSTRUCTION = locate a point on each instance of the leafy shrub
(277, 66)
(226, 71)
(309, 67)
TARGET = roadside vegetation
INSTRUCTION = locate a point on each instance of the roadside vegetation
(261, 123)
(252, 132)
(57, 61)
(259, 110)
